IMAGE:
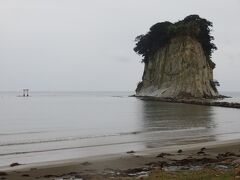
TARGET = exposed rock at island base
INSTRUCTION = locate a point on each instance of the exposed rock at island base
(180, 69)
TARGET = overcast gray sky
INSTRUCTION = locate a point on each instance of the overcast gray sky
(87, 45)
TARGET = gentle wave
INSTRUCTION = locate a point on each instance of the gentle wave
(67, 148)
(167, 142)
(21, 133)
(95, 136)
(69, 139)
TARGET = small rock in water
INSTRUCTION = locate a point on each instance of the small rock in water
(202, 149)
(131, 152)
(180, 151)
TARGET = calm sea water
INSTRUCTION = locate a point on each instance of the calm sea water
(57, 126)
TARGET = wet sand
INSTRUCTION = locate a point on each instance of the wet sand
(220, 155)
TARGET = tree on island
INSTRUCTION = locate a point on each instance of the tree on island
(177, 58)
(161, 33)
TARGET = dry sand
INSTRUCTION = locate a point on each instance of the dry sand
(224, 154)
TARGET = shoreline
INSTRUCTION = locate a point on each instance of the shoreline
(194, 101)
(90, 166)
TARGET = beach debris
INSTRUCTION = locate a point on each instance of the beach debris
(130, 152)
(236, 162)
(66, 176)
(72, 173)
(133, 171)
(86, 163)
(224, 155)
(194, 162)
(159, 164)
(173, 168)
(163, 154)
(78, 177)
(201, 153)
(70, 178)
(14, 164)
(3, 174)
(110, 172)
(135, 132)
(220, 166)
(180, 151)
(137, 156)
(137, 172)
(49, 176)
(237, 171)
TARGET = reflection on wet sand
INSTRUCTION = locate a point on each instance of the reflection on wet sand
(170, 123)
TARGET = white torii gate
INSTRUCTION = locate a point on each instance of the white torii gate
(25, 92)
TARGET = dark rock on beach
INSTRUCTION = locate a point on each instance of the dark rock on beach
(3, 174)
(130, 152)
(14, 164)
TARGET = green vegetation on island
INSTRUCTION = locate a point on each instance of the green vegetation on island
(161, 33)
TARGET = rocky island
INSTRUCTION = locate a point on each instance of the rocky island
(177, 59)
(178, 63)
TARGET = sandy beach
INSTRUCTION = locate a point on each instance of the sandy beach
(221, 156)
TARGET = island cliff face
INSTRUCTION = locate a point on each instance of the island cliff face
(178, 70)
(181, 67)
